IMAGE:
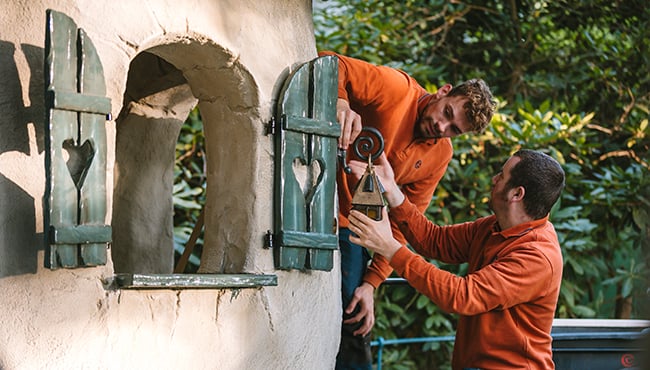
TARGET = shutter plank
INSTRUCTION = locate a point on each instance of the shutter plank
(292, 147)
(92, 200)
(323, 209)
(61, 76)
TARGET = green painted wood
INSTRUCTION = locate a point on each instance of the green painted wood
(75, 140)
(193, 281)
(60, 74)
(298, 239)
(80, 234)
(323, 210)
(311, 126)
(92, 196)
(78, 102)
(290, 147)
(304, 235)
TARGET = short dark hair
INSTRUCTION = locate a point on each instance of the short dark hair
(542, 177)
(480, 105)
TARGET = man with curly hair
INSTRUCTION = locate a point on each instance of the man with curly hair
(416, 127)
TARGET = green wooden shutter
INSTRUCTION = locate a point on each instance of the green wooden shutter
(305, 211)
(75, 139)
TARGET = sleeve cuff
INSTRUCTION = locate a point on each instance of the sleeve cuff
(400, 259)
(373, 279)
(402, 211)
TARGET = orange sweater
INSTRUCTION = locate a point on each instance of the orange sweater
(508, 298)
(390, 100)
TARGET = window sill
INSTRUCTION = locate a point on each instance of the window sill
(192, 281)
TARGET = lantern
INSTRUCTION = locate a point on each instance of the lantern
(367, 197)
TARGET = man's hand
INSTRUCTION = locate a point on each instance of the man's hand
(350, 122)
(363, 296)
(376, 236)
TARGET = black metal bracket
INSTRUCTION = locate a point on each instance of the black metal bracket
(270, 127)
(268, 240)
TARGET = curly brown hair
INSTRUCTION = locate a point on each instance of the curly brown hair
(480, 104)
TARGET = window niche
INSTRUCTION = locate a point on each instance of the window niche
(162, 89)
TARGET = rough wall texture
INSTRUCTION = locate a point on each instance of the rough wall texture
(233, 57)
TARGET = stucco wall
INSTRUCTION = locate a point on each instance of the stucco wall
(67, 318)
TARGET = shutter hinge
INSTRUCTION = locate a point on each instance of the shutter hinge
(268, 240)
(270, 127)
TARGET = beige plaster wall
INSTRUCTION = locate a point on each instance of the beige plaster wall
(67, 319)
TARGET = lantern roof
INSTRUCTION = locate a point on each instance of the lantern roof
(369, 189)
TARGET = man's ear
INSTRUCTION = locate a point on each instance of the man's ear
(518, 193)
(443, 90)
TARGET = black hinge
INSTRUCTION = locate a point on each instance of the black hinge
(268, 240)
(270, 127)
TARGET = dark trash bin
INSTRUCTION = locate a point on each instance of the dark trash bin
(600, 344)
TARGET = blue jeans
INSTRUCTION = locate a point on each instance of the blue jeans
(354, 351)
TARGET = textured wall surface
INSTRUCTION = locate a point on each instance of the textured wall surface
(233, 57)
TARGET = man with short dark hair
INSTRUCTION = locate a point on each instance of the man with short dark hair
(508, 298)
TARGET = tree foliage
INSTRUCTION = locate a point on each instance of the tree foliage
(189, 189)
(572, 80)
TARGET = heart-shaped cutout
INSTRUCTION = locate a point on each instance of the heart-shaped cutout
(308, 176)
(79, 159)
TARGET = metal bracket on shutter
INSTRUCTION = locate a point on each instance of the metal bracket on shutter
(306, 133)
(75, 140)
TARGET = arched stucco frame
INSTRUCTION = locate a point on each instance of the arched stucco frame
(165, 82)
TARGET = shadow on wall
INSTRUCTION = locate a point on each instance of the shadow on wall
(22, 173)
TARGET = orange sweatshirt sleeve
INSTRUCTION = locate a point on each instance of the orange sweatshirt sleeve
(520, 272)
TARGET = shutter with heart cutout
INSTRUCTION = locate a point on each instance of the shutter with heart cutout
(305, 168)
(75, 155)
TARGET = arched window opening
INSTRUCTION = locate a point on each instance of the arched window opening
(183, 159)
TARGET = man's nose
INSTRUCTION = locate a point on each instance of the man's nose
(443, 127)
